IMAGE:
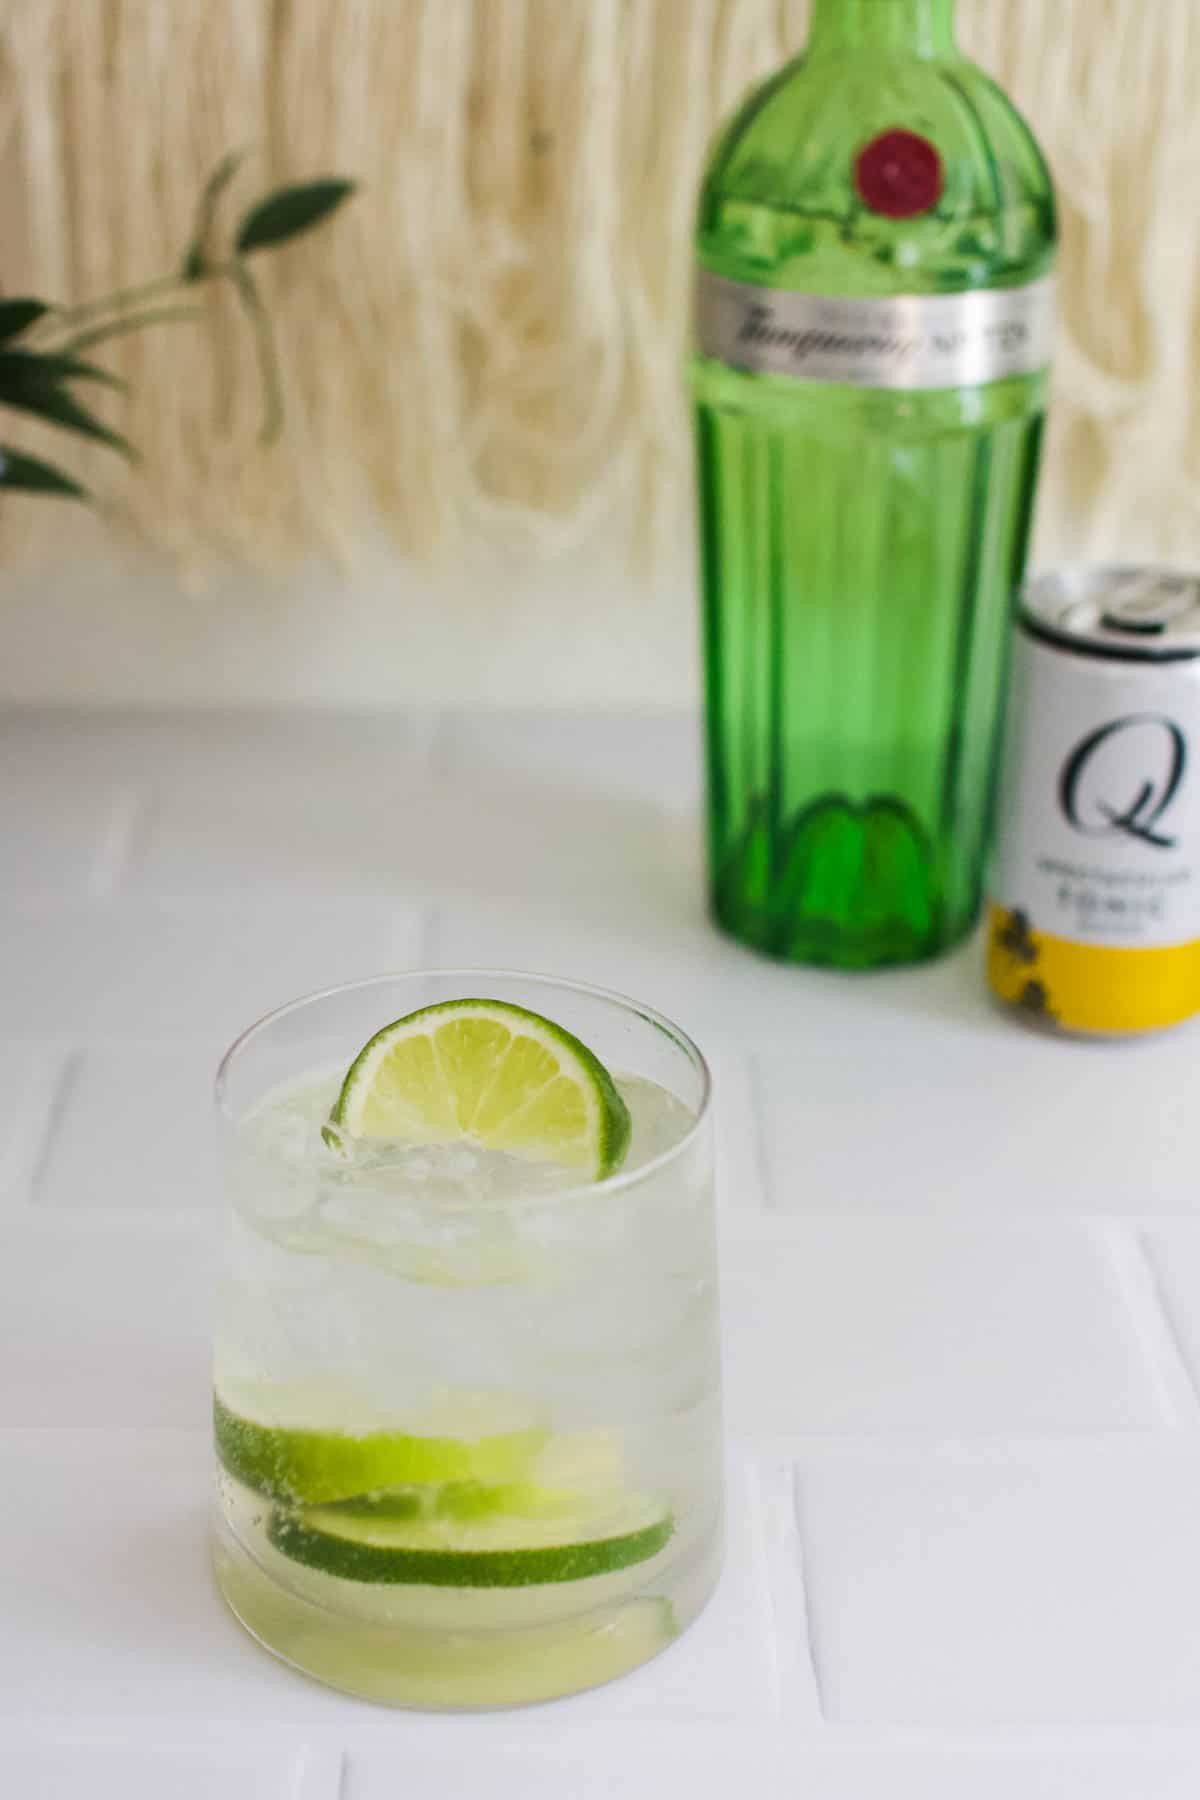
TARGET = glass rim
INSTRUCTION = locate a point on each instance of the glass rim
(608, 1184)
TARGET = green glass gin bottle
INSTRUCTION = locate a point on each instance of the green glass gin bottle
(874, 314)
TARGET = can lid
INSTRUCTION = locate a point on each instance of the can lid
(1136, 614)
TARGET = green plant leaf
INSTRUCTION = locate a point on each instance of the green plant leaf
(34, 476)
(195, 265)
(23, 370)
(58, 406)
(17, 316)
(286, 214)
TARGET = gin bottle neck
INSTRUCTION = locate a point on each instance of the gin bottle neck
(915, 27)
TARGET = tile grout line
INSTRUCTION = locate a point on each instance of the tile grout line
(811, 1634)
(69, 1070)
(128, 819)
(1156, 1325)
(319, 1774)
(19, 1154)
(1148, 1313)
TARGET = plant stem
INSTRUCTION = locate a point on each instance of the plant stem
(60, 316)
(162, 315)
(264, 344)
(114, 318)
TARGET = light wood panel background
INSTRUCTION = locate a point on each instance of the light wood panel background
(489, 340)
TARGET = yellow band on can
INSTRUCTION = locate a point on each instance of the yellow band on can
(1091, 988)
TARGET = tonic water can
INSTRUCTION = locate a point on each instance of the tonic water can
(1095, 918)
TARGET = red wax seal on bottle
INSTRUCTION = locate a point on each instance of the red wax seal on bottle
(900, 174)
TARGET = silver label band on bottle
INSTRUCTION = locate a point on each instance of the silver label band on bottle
(903, 341)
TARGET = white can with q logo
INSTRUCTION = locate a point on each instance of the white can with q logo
(1095, 923)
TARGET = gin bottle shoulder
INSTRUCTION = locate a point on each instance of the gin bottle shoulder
(783, 203)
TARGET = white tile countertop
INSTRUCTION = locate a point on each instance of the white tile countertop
(961, 1283)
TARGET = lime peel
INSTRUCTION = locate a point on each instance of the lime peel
(315, 1468)
(493, 1552)
(488, 1073)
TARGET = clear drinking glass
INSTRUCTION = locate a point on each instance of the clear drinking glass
(468, 1442)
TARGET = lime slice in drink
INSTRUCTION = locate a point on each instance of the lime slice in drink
(486, 1073)
(462, 1648)
(455, 1500)
(488, 1550)
(315, 1468)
